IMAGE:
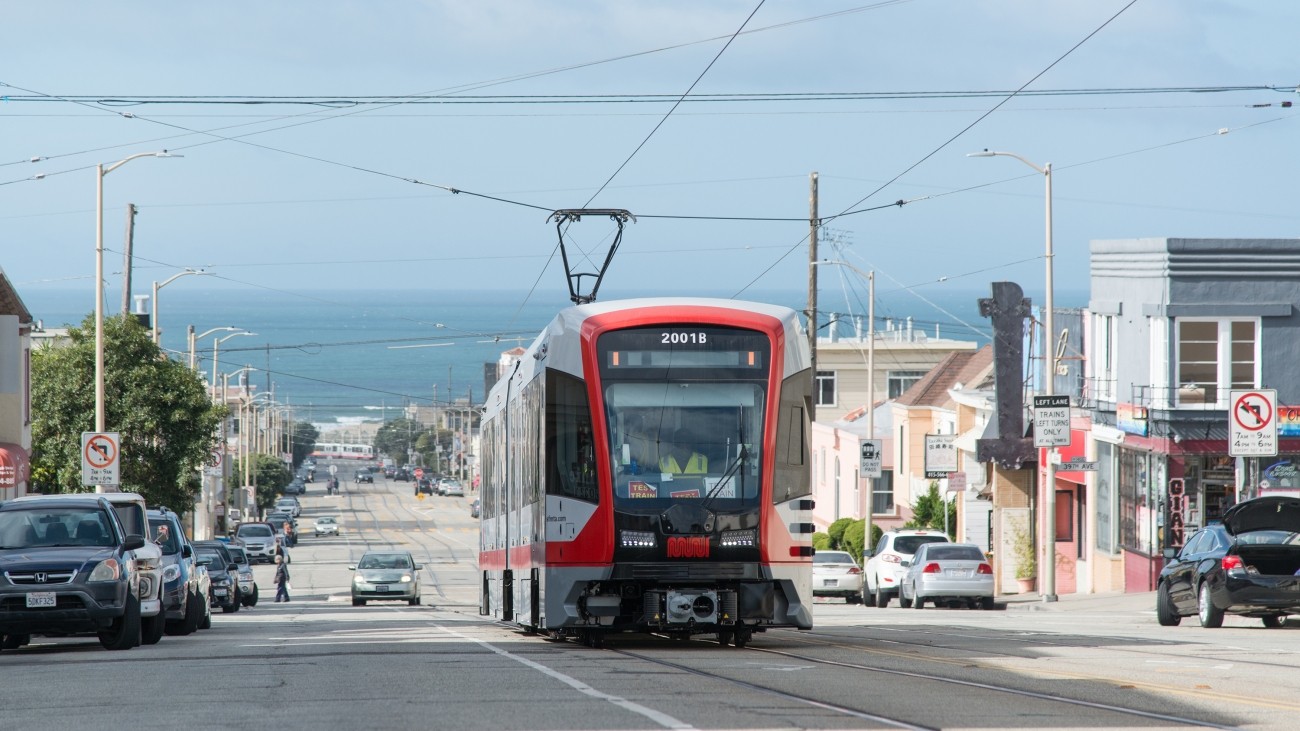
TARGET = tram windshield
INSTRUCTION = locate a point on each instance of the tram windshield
(684, 407)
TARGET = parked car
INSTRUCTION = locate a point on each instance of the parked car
(289, 505)
(184, 594)
(223, 572)
(1247, 565)
(884, 567)
(835, 573)
(326, 525)
(296, 487)
(385, 575)
(247, 582)
(258, 540)
(69, 568)
(453, 488)
(474, 508)
(947, 573)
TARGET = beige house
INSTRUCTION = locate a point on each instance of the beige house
(15, 391)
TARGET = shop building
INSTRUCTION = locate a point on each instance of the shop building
(1174, 326)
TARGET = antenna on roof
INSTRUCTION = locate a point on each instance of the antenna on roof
(573, 215)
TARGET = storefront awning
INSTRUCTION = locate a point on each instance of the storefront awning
(13, 465)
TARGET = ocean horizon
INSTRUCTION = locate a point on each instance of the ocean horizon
(347, 359)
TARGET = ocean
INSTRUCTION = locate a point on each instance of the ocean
(355, 358)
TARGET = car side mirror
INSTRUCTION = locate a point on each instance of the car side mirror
(233, 567)
(186, 551)
(418, 567)
(352, 567)
(905, 564)
(1171, 553)
(133, 542)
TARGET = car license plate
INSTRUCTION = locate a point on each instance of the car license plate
(218, 592)
(41, 599)
(381, 587)
(959, 573)
(830, 582)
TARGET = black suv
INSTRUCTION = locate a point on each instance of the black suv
(365, 475)
(224, 573)
(184, 596)
(66, 567)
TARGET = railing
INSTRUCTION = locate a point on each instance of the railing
(1198, 397)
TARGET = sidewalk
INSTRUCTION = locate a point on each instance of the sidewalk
(1143, 601)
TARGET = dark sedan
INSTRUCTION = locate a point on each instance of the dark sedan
(1248, 565)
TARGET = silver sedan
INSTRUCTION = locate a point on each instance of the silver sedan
(946, 573)
(385, 575)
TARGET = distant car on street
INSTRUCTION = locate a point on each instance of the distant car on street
(474, 508)
(1247, 565)
(364, 475)
(326, 525)
(452, 488)
(884, 566)
(946, 573)
(385, 575)
(835, 573)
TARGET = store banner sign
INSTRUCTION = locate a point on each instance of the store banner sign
(1132, 419)
(1288, 421)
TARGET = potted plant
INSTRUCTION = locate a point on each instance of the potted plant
(1022, 548)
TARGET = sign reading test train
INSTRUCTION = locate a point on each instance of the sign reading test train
(1252, 423)
(99, 458)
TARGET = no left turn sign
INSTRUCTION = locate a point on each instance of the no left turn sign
(99, 458)
(1252, 423)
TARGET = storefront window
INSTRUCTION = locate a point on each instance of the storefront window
(1137, 513)
(1105, 512)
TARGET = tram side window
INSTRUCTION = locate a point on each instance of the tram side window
(570, 453)
(792, 478)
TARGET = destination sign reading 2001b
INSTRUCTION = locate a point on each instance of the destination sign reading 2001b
(684, 347)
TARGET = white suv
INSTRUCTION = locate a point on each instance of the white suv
(883, 572)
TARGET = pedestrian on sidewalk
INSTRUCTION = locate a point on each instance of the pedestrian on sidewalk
(281, 581)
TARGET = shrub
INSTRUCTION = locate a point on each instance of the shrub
(821, 542)
(836, 533)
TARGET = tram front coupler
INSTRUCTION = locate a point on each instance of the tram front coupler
(689, 607)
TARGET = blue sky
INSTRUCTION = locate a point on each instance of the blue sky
(320, 197)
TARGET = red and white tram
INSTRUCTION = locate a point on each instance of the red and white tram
(590, 527)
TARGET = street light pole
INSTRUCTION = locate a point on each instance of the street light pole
(153, 321)
(1048, 562)
(216, 345)
(100, 172)
(194, 365)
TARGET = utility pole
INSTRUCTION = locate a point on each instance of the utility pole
(813, 223)
(126, 266)
(871, 402)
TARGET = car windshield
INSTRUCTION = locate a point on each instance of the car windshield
(389, 561)
(55, 526)
(1269, 537)
(324, 521)
(162, 533)
(205, 558)
(254, 531)
(953, 553)
(909, 544)
(832, 557)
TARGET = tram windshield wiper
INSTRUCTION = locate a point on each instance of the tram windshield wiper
(732, 470)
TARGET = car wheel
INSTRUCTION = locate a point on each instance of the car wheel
(252, 600)
(413, 601)
(903, 600)
(151, 628)
(358, 602)
(125, 630)
(1211, 616)
(205, 619)
(1275, 621)
(233, 606)
(13, 642)
(919, 602)
(986, 603)
(882, 599)
(1165, 613)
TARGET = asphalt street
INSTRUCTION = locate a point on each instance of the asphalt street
(318, 662)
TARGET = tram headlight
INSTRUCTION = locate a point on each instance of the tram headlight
(637, 539)
(736, 538)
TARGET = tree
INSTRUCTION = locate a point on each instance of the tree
(928, 511)
(836, 533)
(396, 438)
(301, 440)
(269, 474)
(166, 422)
